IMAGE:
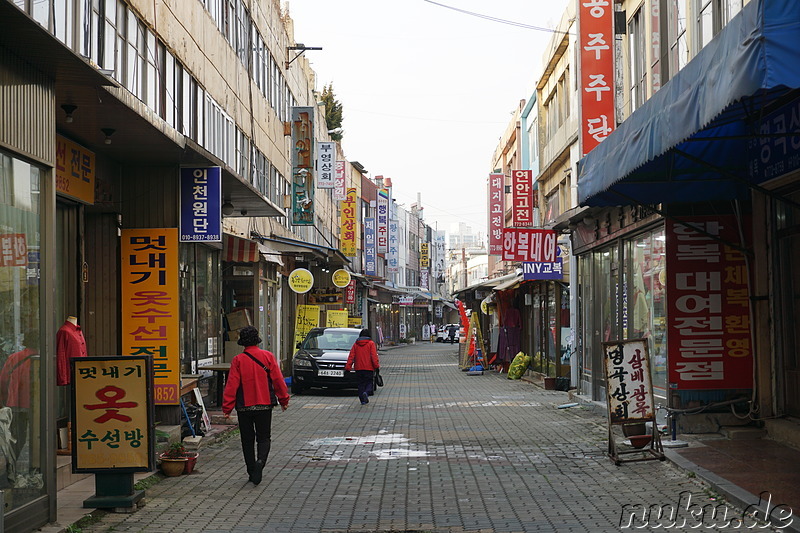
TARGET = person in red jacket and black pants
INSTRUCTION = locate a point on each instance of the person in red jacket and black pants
(364, 357)
(255, 385)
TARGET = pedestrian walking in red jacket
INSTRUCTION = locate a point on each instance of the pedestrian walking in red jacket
(364, 359)
(255, 385)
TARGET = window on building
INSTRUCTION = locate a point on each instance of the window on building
(637, 60)
(676, 37)
(712, 16)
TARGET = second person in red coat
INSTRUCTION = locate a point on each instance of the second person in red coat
(364, 359)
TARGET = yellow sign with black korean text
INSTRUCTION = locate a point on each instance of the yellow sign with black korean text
(112, 414)
(150, 306)
(307, 318)
(336, 318)
(75, 170)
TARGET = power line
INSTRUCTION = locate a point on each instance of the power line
(501, 21)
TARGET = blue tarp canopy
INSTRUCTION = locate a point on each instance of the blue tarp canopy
(696, 139)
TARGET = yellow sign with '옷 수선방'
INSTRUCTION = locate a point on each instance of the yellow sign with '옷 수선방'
(113, 413)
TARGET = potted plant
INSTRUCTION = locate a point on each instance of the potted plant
(173, 460)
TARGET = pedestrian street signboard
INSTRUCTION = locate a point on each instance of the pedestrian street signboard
(112, 414)
(629, 391)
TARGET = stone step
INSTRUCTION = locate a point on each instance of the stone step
(743, 432)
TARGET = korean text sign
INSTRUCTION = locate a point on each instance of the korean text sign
(340, 181)
(307, 319)
(75, 170)
(708, 313)
(370, 257)
(150, 310)
(13, 250)
(497, 215)
(326, 165)
(382, 221)
(112, 414)
(596, 41)
(393, 256)
(538, 245)
(302, 166)
(628, 385)
(522, 199)
(201, 204)
(347, 236)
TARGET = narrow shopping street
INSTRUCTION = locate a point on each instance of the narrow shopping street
(435, 450)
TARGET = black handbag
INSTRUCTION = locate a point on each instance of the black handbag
(378, 378)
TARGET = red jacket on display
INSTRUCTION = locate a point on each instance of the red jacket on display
(363, 355)
(15, 379)
(248, 385)
(69, 343)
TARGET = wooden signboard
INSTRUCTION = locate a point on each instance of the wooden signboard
(629, 391)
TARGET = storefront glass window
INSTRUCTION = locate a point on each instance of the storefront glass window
(21, 439)
(646, 301)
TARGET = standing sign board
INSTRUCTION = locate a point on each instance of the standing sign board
(150, 305)
(629, 391)
(112, 414)
(307, 319)
(201, 204)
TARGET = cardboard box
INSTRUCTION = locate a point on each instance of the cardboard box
(239, 319)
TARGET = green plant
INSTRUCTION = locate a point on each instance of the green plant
(146, 483)
(176, 450)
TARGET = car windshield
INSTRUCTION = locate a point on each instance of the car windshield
(330, 339)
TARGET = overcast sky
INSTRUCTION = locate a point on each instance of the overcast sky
(427, 90)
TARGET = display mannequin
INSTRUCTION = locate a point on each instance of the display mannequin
(69, 343)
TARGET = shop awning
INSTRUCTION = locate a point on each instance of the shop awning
(512, 283)
(697, 138)
(239, 249)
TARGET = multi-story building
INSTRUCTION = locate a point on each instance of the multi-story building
(110, 113)
(691, 238)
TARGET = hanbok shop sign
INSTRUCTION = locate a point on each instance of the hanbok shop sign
(537, 245)
(708, 313)
(201, 204)
(149, 305)
(112, 414)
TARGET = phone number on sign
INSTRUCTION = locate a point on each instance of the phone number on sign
(216, 238)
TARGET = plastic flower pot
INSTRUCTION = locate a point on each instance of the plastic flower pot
(173, 467)
(191, 460)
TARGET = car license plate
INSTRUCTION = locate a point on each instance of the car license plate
(331, 373)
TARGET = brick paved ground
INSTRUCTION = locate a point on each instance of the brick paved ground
(435, 450)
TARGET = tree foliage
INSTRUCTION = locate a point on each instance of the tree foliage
(333, 112)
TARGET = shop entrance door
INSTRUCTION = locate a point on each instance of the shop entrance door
(788, 297)
(68, 296)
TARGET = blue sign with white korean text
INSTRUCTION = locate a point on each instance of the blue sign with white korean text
(370, 259)
(201, 204)
(532, 270)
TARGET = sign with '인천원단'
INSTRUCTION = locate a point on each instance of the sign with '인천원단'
(628, 384)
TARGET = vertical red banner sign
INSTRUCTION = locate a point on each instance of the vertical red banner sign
(708, 313)
(596, 38)
(522, 198)
(496, 212)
